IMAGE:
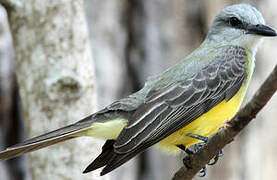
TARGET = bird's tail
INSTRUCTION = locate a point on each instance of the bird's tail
(48, 139)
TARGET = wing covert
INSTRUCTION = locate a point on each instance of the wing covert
(172, 107)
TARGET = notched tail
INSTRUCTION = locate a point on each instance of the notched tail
(109, 159)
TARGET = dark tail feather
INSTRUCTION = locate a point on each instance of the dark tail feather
(119, 159)
(45, 140)
(106, 155)
(116, 161)
(109, 159)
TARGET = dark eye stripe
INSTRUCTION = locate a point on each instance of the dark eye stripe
(235, 22)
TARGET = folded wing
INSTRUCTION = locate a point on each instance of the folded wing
(172, 107)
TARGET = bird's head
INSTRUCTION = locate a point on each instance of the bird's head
(241, 25)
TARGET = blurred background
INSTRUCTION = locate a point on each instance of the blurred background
(131, 40)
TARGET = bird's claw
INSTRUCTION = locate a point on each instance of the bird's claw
(187, 162)
(203, 172)
(215, 159)
(195, 150)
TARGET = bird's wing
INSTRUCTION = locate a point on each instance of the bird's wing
(172, 107)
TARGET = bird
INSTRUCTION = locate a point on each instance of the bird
(173, 110)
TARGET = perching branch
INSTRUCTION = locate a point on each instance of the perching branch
(226, 135)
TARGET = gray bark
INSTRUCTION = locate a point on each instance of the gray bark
(55, 74)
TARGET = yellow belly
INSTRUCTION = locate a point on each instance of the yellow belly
(205, 125)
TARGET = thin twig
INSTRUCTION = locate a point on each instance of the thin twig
(226, 135)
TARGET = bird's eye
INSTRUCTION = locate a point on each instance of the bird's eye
(235, 22)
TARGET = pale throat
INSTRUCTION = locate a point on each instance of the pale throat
(252, 43)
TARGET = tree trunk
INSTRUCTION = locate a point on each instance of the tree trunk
(55, 74)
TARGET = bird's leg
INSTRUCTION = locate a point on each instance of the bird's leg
(186, 158)
(203, 171)
(199, 137)
(183, 148)
(215, 159)
(201, 144)
(196, 148)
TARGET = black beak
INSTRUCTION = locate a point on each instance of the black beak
(261, 29)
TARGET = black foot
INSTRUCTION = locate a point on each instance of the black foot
(203, 171)
(196, 148)
(215, 159)
(187, 162)
(201, 144)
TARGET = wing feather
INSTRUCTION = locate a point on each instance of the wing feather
(182, 102)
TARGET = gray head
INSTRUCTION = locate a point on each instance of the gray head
(241, 25)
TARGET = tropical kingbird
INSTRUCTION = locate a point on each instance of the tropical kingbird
(195, 96)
